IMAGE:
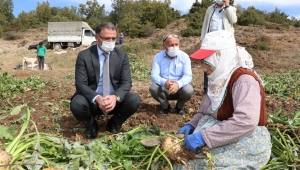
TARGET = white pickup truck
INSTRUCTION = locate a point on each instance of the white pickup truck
(70, 34)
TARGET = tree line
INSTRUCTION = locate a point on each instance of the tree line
(134, 18)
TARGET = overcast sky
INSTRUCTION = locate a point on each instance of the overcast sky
(290, 7)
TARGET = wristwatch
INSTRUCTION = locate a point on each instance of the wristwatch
(118, 99)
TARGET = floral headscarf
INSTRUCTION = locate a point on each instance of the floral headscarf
(225, 62)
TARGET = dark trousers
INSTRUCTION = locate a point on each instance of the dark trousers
(85, 111)
(205, 82)
(41, 62)
(161, 94)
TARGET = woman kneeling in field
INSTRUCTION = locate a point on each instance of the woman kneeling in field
(231, 120)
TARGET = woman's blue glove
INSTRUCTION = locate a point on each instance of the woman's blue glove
(193, 141)
(186, 130)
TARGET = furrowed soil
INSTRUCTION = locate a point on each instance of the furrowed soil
(50, 107)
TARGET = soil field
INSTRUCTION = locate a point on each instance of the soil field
(50, 107)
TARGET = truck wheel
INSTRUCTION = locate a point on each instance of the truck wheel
(94, 43)
(56, 46)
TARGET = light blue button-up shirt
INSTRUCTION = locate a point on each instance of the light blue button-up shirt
(217, 20)
(177, 69)
(99, 89)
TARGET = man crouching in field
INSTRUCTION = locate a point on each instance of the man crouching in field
(103, 83)
(171, 76)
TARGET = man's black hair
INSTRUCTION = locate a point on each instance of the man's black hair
(103, 25)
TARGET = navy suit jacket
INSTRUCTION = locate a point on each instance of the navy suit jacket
(87, 72)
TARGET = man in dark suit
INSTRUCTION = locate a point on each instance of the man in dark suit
(88, 99)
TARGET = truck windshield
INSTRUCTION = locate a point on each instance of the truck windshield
(89, 33)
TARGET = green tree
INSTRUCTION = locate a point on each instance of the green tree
(130, 25)
(2, 24)
(147, 29)
(172, 14)
(295, 22)
(59, 18)
(195, 7)
(239, 10)
(6, 15)
(25, 21)
(278, 17)
(6, 9)
(161, 21)
(119, 9)
(147, 13)
(43, 12)
(194, 24)
(195, 18)
(69, 13)
(206, 3)
(251, 16)
(92, 12)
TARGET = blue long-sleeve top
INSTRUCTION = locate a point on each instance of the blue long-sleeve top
(177, 69)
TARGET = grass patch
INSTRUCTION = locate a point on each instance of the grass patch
(262, 46)
(10, 86)
(139, 68)
(141, 48)
(12, 35)
(286, 85)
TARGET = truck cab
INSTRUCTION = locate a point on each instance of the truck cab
(88, 38)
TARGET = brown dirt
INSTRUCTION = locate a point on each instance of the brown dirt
(49, 109)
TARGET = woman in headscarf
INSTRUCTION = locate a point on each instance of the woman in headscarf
(231, 120)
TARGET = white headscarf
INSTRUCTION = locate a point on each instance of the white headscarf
(225, 62)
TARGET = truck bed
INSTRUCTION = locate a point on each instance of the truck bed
(65, 31)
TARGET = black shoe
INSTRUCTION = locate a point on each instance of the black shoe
(112, 127)
(92, 131)
(165, 111)
(179, 111)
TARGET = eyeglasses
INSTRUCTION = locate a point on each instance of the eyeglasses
(106, 38)
(203, 64)
(170, 36)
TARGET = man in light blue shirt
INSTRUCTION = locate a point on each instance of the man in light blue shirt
(171, 76)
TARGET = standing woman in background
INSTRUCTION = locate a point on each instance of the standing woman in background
(41, 50)
(219, 16)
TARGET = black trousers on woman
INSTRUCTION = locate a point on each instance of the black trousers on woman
(205, 83)
(41, 62)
